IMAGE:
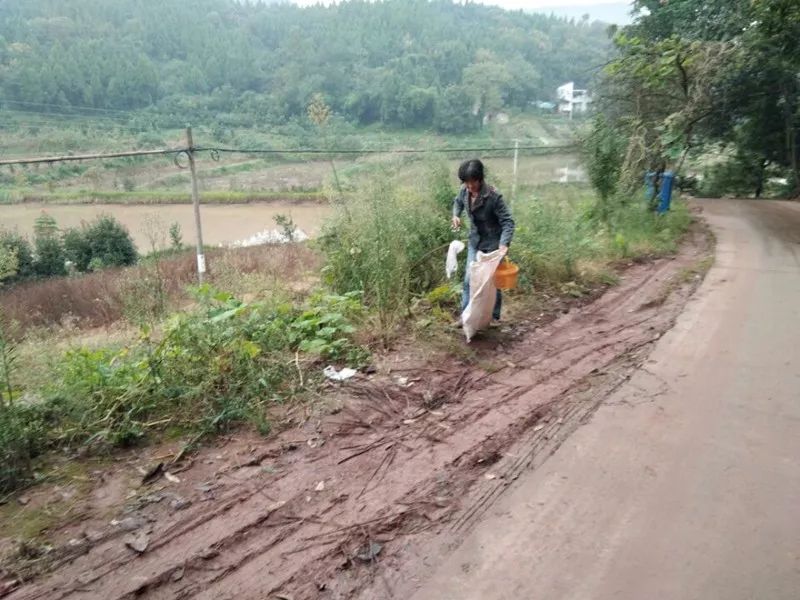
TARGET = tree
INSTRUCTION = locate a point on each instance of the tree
(487, 81)
(453, 111)
(711, 71)
(381, 61)
(604, 148)
(48, 249)
(666, 90)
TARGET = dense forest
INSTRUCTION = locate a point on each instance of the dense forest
(695, 79)
(398, 63)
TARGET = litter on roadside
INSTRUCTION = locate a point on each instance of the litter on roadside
(331, 373)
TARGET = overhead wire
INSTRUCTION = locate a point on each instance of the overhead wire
(214, 151)
(67, 106)
(443, 150)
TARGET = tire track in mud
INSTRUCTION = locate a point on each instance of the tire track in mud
(396, 466)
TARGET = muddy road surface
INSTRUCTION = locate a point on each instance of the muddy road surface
(374, 500)
(686, 482)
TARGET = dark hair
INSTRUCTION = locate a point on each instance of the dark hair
(471, 170)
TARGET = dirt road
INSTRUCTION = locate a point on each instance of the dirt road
(686, 482)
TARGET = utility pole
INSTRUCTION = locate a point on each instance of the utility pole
(201, 258)
(516, 164)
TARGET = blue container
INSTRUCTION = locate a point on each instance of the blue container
(665, 194)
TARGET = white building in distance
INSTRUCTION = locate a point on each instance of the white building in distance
(572, 101)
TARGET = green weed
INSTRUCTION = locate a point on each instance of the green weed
(387, 242)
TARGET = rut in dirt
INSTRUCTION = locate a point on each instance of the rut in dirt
(314, 514)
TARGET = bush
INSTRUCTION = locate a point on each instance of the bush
(48, 249)
(15, 243)
(553, 235)
(559, 241)
(49, 257)
(102, 243)
(77, 249)
(387, 242)
(638, 232)
(741, 175)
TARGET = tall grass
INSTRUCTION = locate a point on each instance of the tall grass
(558, 240)
(387, 242)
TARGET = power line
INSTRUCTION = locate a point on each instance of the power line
(377, 150)
(66, 106)
(66, 116)
(297, 151)
(79, 157)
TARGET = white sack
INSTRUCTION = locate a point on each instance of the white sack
(450, 266)
(482, 293)
(331, 373)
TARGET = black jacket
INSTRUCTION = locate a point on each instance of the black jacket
(492, 224)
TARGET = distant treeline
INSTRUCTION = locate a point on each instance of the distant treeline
(399, 63)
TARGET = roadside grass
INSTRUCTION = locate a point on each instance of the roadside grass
(201, 371)
(196, 365)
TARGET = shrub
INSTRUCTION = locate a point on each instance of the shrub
(558, 240)
(49, 257)
(387, 242)
(77, 249)
(639, 232)
(102, 243)
(175, 236)
(13, 242)
(8, 263)
(741, 175)
(552, 236)
(103, 297)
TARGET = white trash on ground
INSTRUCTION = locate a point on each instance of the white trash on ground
(450, 266)
(331, 373)
(482, 293)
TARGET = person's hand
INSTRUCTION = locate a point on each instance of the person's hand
(503, 250)
(455, 223)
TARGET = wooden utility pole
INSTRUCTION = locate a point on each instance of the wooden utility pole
(201, 258)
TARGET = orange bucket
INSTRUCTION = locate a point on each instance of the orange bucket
(505, 277)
